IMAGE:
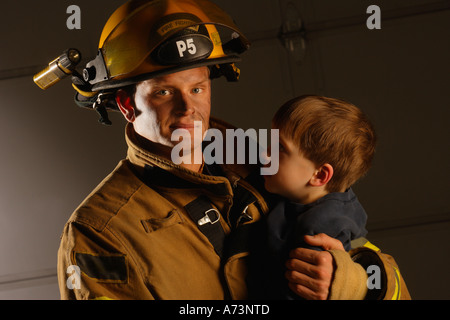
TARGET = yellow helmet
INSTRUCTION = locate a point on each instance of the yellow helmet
(147, 38)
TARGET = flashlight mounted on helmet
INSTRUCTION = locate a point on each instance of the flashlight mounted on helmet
(144, 39)
(58, 69)
(64, 66)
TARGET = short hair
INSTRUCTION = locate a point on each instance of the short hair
(328, 130)
(130, 90)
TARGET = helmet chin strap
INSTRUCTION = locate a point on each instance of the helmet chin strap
(98, 101)
(103, 99)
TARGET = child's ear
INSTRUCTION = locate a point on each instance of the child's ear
(322, 175)
(125, 105)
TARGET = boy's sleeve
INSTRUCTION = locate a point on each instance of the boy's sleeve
(324, 220)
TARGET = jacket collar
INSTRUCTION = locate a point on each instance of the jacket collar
(217, 180)
(155, 169)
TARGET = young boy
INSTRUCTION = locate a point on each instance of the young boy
(326, 145)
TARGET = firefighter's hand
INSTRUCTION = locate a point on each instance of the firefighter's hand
(310, 272)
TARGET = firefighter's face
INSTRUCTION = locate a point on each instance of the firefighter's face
(166, 103)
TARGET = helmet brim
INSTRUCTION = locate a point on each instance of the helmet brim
(117, 84)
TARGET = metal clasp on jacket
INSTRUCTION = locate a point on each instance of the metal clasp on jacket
(209, 219)
(244, 216)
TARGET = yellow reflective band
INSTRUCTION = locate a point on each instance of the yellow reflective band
(236, 70)
(217, 42)
(102, 298)
(371, 246)
(397, 291)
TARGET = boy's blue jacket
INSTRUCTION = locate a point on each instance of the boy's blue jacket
(337, 214)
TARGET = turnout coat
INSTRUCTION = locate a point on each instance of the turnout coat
(155, 230)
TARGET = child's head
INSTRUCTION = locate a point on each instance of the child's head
(330, 139)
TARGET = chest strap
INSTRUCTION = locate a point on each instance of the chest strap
(207, 219)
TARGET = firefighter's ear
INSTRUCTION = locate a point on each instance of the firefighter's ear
(322, 175)
(125, 104)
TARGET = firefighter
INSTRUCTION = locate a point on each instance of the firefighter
(156, 230)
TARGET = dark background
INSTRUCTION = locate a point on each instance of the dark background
(54, 154)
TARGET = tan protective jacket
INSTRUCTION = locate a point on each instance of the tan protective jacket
(152, 230)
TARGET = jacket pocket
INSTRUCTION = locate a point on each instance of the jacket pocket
(152, 225)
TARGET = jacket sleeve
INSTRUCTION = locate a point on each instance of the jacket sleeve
(93, 265)
(367, 273)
